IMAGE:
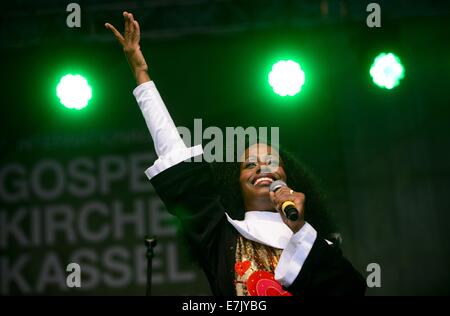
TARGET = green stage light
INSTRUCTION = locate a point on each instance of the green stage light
(286, 78)
(387, 71)
(74, 91)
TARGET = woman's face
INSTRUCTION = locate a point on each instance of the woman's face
(261, 165)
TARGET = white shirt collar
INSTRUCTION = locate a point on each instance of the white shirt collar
(264, 227)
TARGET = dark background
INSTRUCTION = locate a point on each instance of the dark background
(383, 156)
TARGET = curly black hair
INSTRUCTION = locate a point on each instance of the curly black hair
(299, 178)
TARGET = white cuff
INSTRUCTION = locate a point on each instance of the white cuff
(169, 146)
(294, 255)
(173, 158)
(161, 126)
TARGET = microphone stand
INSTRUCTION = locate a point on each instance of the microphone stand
(150, 244)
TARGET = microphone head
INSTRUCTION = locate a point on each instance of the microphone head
(276, 185)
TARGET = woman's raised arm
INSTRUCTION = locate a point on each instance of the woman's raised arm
(169, 145)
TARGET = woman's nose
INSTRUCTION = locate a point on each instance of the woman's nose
(264, 168)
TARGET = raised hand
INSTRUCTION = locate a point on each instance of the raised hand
(130, 44)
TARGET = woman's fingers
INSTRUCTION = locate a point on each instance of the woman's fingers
(116, 33)
(284, 194)
(127, 24)
(278, 197)
(137, 30)
(131, 35)
(132, 30)
(276, 200)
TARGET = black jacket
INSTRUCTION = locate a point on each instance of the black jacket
(188, 192)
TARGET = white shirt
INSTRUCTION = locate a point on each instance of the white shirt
(171, 150)
(169, 145)
(296, 247)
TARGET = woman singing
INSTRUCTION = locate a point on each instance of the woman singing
(234, 224)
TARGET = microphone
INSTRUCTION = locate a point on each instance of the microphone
(287, 207)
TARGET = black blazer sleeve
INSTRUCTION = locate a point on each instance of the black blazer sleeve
(326, 272)
(188, 192)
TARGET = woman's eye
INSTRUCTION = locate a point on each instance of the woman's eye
(273, 161)
(250, 164)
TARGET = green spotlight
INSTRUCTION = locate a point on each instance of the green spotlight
(387, 71)
(286, 78)
(74, 91)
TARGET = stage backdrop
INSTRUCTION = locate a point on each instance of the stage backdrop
(85, 199)
(72, 184)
